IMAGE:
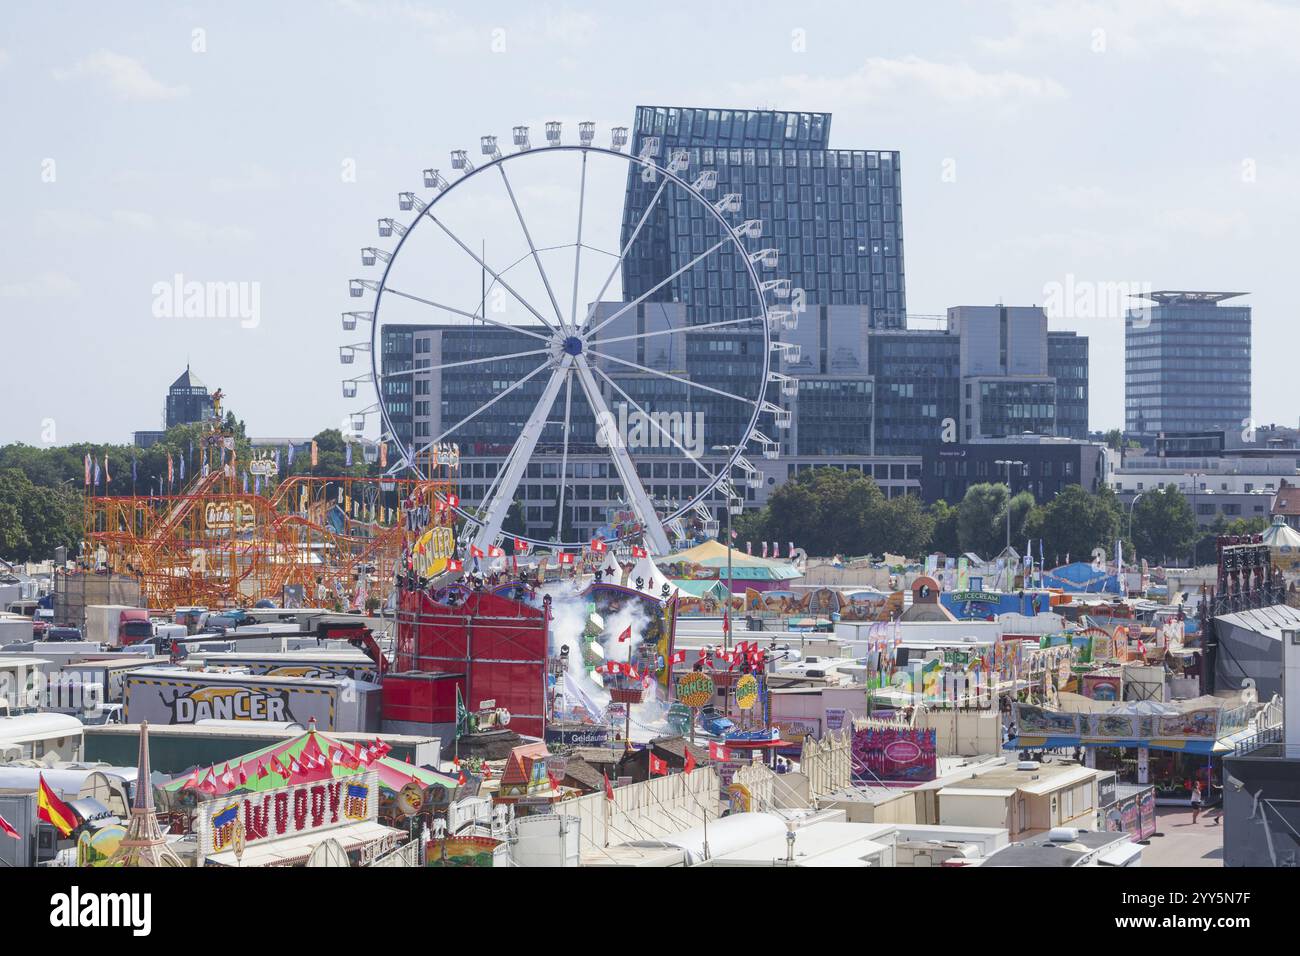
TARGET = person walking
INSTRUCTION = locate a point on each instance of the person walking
(1197, 799)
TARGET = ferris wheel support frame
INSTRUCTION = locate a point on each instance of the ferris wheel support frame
(491, 513)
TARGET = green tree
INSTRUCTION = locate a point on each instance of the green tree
(909, 526)
(1075, 522)
(945, 536)
(34, 520)
(1164, 527)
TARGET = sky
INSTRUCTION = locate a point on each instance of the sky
(1052, 153)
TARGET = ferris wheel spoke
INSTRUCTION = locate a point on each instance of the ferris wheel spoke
(577, 252)
(490, 271)
(645, 216)
(478, 361)
(674, 378)
(653, 528)
(564, 455)
(480, 410)
(495, 509)
(531, 248)
(469, 315)
(655, 423)
(660, 284)
(682, 330)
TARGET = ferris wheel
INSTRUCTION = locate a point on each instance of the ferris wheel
(510, 279)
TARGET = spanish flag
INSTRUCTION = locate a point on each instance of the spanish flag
(53, 810)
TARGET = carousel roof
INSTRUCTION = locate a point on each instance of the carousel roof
(393, 774)
(1281, 535)
(713, 554)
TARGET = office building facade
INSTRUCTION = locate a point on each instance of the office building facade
(1187, 363)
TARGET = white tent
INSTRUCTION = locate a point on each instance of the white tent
(653, 580)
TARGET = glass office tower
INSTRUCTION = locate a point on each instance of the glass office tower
(1187, 363)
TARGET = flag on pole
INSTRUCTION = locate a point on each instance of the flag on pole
(658, 767)
(626, 635)
(495, 552)
(765, 549)
(690, 761)
(718, 752)
(638, 552)
(315, 454)
(7, 829)
(53, 810)
(520, 545)
(609, 789)
(475, 551)
(677, 657)
(383, 454)
(87, 468)
(598, 545)
(107, 476)
(347, 454)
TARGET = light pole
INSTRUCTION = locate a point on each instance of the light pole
(1131, 505)
(1196, 518)
(1008, 462)
(726, 636)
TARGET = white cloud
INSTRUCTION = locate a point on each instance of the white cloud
(43, 285)
(1231, 29)
(125, 77)
(881, 79)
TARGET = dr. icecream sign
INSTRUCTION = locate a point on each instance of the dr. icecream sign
(290, 811)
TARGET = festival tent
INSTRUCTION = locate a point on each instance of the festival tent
(1283, 544)
(744, 566)
(611, 570)
(1250, 645)
(653, 580)
(306, 752)
(1082, 577)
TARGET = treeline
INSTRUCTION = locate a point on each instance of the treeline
(827, 511)
(41, 489)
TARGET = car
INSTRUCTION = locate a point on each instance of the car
(715, 722)
(62, 634)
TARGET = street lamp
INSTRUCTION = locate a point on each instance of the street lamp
(1008, 462)
(1131, 505)
(1196, 518)
(726, 637)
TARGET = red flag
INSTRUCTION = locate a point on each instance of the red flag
(243, 774)
(474, 551)
(627, 634)
(609, 790)
(677, 657)
(454, 565)
(453, 501)
(209, 784)
(261, 770)
(279, 768)
(7, 828)
(521, 544)
(495, 552)
(726, 622)
(658, 767)
(462, 778)
(704, 652)
(193, 781)
(598, 545)
(718, 752)
(639, 552)
(565, 558)
(690, 761)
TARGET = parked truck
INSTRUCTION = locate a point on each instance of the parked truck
(117, 625)
(174, 696)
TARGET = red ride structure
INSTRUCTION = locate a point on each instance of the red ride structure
(491, 648)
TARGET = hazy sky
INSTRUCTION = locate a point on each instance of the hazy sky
(1045, 146)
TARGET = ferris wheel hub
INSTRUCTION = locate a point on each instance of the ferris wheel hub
(572, 345)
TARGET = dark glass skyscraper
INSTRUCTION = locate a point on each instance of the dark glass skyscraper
(1187, 364)
(836, 215)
